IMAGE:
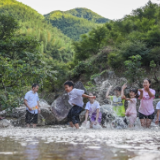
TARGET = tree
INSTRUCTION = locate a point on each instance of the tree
(90, 43)
(34, 24)
(21, 63)
(134, 71)
(155, 71)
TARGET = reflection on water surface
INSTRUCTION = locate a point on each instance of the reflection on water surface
(85, 144)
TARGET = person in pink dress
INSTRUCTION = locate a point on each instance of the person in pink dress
(146, 109)
(131, 111)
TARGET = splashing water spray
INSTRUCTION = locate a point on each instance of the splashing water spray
(110, 119)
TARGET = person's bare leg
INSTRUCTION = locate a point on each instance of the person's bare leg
(28, 125)
(132, 120)
(143, 123)
(131, 126)
(34, 125)
(148, 122)
(71, 124)
(76, 125)
(91, 124)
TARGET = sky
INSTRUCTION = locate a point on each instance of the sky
(112, 9)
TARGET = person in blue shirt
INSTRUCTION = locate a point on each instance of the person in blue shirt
(31, 100)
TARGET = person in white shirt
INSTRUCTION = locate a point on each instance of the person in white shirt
(76, 101)
(92, 111)
(31, 100)
(158, 113)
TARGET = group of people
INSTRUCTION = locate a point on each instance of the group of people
(146, 108)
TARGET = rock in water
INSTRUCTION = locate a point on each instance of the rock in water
(97, 126)
(107, 115)
(4, 123)
(110, 119)
(3, 113)
(46, 116)
(82, 116)
(61, 107)
(79, 85)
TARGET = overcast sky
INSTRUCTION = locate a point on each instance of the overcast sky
(112, 9)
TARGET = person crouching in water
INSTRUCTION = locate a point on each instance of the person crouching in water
(31, 100)
(131, 111)
(76, 101)
(93, 111)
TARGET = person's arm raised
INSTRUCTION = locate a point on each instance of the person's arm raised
(107, 94)
(141, 93)
(149, 92)
(122, 91)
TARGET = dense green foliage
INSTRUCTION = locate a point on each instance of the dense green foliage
(53, 41)
(21, 63)
(87, 14)
(70, 25)
(137, 34)
(32, 50)
(90, 44)
(75, 22)
(134, 72)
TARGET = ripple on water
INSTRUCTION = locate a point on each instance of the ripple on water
(135, 141)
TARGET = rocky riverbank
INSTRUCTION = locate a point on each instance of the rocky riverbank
(56, 112)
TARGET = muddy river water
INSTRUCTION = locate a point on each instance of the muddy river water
(63, 143)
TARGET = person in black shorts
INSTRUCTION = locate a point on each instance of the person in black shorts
(76, 101)
(146, 109)
(31, 100)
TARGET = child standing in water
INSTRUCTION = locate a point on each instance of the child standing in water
(131, 111)
(146, 109)
(76, 100)
(117, 101)
(92, 110)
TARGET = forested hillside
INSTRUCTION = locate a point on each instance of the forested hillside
(87, 14)
(54, 42)
(70, 25)
(31, 51)
(129, 46)
(75, 22)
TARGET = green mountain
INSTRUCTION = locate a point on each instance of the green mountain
(75, 22)
(87, 14)
(70, 25)
(53, 42)
(129, 46)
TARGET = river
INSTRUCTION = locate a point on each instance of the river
(64, 143)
